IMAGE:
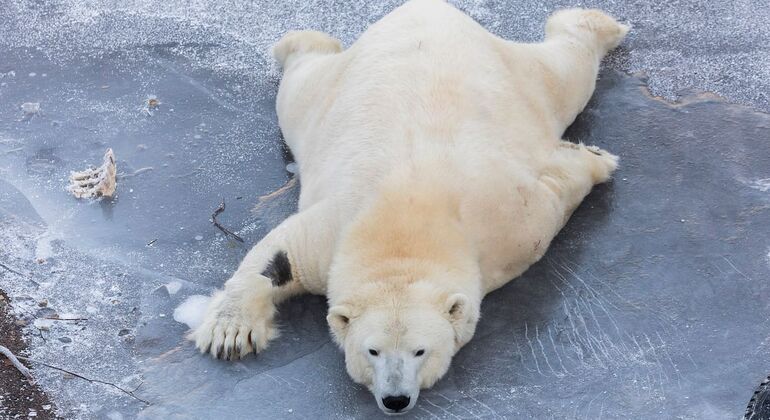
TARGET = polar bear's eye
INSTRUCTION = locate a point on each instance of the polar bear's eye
(419, 353)
(373, 352)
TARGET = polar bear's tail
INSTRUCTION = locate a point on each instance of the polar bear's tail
(300, 42)
(592, 23)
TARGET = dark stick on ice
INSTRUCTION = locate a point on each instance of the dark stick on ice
(77, 375)
(226, 231)
(56, 318)
(18, 273)
(16, 363)
(11, 270)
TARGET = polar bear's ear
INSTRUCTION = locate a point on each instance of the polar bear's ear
(456, 306)
(462, 316)
(339, 321)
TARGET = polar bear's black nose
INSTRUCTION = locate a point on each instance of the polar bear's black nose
(397, 403)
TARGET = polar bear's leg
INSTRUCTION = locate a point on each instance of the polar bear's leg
(591, 26)
(296, 43)
(576, 40)
(239, 319)
(574, 169)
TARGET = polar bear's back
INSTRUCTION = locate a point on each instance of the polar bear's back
(425, 80)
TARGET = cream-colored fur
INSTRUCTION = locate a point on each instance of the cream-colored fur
(432, 172)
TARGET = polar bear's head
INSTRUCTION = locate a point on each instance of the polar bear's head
(397, 346)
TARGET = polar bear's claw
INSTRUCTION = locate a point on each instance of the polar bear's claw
(232, 329)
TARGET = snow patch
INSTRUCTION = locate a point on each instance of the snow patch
(43, 324)
(760, 184)
(191, 311)
(44, 246)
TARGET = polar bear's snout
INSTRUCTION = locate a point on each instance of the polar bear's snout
(396, 383)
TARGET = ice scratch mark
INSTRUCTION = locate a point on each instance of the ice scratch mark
(590, 340)
(662, 373)
(577, 347)
(281, 381)
(664, 348)
(452, 402)
(736, 268)
(577, 407)
(532, 349)
(274, 379)
(439, 407)
(599, 299)
(612, 290)
(206, 91)
(587, 340)
(601, 411)
(494, 413)
(429, 412)
(555, 350)
(590, 403)
(521, 356)
(542, 349)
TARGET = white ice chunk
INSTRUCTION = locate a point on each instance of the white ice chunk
(30, 108)
(191, 311)
(173, 287)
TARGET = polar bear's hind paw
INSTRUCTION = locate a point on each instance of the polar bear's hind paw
(607, 31)
(607, 163)
(300, 42)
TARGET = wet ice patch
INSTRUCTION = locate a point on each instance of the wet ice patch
(191, 311)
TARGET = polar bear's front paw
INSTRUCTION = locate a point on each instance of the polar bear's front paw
(232, 329)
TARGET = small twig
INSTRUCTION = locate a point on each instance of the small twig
(261, 201)
(227, 232)
(77, 375)
(56, 318)
(16, 363)
(12, 270)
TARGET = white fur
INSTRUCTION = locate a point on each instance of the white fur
(432, 173)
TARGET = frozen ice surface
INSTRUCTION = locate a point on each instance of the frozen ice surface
(650, 304)
(721, 47)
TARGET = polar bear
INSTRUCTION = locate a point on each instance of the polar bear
(433, 172)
